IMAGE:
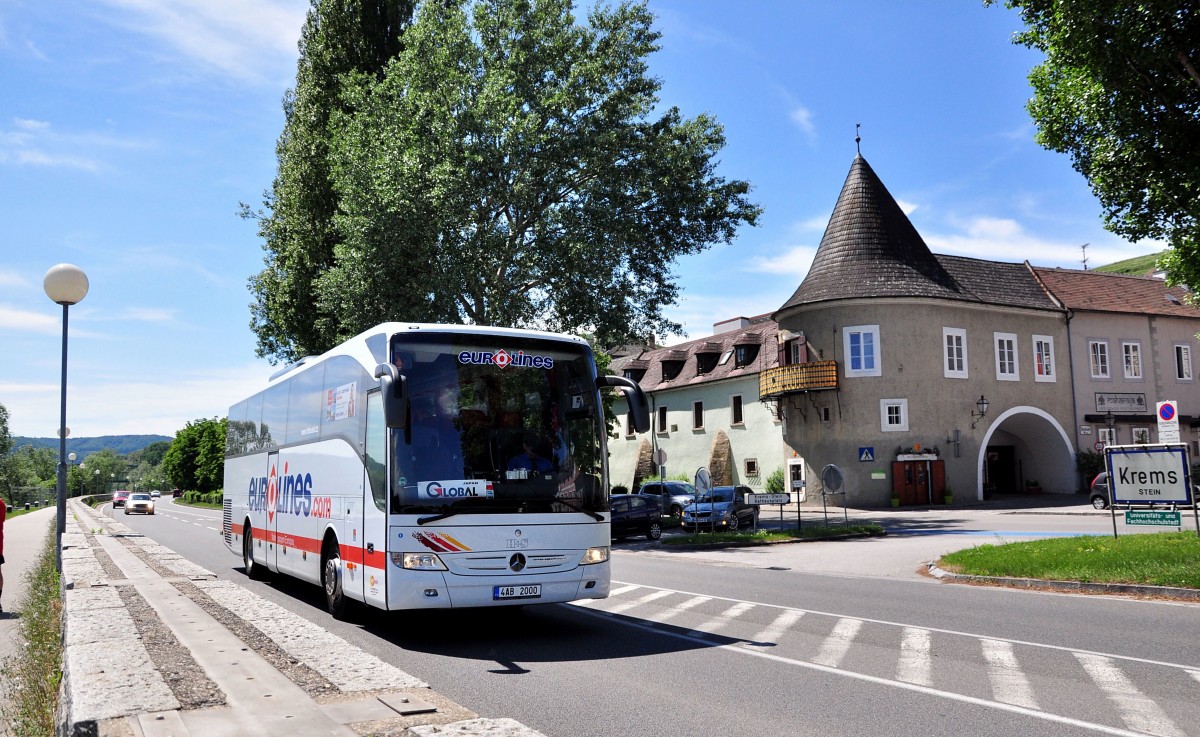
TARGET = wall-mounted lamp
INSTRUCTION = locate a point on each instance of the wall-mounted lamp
(982, 406)
(1110, 419)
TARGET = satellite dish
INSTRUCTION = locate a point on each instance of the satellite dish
(831, 477)
(703, 480)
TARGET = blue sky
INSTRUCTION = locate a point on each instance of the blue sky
(131, 129)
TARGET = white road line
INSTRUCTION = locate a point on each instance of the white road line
(1139, 712)
(623, 590)
(652, 596)
(957, 633)
(875, 680)
(711, 626)
(1009, 685)
(681, 608)
(770, 636)
(1195, 674)
(838, 643)
(915, 665)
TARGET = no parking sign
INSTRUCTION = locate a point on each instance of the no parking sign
(1168, 422)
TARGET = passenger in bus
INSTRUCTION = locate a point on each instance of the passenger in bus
(529, 459)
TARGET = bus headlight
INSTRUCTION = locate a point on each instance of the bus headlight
(591, 556)
(418, 561)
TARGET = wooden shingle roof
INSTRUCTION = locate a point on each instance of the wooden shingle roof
(870, 249)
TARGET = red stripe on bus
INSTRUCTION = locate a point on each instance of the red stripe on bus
(349, 553)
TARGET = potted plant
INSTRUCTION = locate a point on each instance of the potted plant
(949, 496)
(895, 500)
(1033, 487)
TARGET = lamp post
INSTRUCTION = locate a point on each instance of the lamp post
(71, 458)
(65, 284)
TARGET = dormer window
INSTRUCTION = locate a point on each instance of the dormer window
(744, 355)
(671, 369)
(635, 374)
(706, 362)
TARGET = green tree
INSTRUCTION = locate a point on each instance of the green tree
(517, 152)
(196, 459)
(102, 470)
(339, 37)
(6, 463)
(1119, 92)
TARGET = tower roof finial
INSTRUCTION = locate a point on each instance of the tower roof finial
(857, 138)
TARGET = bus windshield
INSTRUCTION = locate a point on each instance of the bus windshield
(496, 425)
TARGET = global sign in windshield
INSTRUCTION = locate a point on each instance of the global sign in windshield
(1149, 474)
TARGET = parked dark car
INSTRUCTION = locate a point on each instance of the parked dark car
(1099, 491)
(634, 514)
(672, 496)
(176, 493)
(724, 508)
(119, 498)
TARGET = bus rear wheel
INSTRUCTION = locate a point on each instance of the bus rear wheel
(331, 579)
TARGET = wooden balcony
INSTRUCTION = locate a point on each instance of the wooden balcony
(798, 377)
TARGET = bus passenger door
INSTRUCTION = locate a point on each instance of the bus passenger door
(374, 522)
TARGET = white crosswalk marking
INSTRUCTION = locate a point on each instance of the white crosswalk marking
(652, 596)
(1009, 685)
(775, 630)
(914, 665)
(1195, 674)
(838, 643)
(681, 608)
(1140, 713)
(623, 590)
(722, 619)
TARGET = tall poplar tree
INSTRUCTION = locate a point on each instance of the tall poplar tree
(340, 37)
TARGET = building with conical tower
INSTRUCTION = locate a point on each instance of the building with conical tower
(919, 375)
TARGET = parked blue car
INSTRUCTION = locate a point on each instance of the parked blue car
(725, 508)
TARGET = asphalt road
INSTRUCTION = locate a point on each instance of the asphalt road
(830, 638)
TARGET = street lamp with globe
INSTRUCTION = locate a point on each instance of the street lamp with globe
(65, 284)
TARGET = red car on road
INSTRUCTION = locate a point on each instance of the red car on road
(119, 498)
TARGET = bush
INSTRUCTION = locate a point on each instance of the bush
(618, 489)
(775, 482)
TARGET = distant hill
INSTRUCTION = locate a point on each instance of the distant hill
(1136, 266)
(82, 447)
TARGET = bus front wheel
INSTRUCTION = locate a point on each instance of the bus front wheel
(331, 579)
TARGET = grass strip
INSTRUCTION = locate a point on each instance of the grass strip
(29, 680)
(1152, 559)
(812, 532)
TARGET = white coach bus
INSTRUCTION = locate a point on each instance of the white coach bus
(429, 466)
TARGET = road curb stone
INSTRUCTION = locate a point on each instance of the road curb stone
(1073, 587)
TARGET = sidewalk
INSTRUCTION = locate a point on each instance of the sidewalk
(155, 646)
(23, 540)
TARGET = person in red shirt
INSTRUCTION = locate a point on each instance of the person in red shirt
(3, 514)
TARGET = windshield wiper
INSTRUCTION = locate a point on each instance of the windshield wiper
(436, 517)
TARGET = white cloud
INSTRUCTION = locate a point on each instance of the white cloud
(802, 117)
(794, 260)
(12, 318)
(131, 407)
(12, 279)
(1005, 239)
(241, 38)
(907, 207)
(698, 313)
(148, 314)
(37, 143)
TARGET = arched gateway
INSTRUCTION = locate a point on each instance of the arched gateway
(1025, 450)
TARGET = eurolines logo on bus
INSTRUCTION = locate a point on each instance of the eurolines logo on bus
(287, 494)
(504, 359)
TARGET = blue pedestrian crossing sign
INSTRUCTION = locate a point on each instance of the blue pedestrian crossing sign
(866, 454)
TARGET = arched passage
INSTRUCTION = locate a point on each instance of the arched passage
(1025, 444)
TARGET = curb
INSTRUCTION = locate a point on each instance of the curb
(1068, 587)
(695, 547)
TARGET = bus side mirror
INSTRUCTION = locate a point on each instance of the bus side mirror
(638, 406)
(395, 395)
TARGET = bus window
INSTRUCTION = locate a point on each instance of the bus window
(375, 450)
